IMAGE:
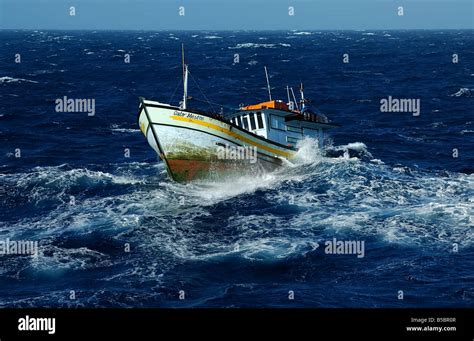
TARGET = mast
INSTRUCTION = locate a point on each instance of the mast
(268, 84)
(182, 58)
(185, 79)
(185, 93)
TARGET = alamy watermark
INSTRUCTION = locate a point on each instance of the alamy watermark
(391, 104)
(227, 152)
(76, 105)
(47, 324)
(345, 247)
(18, 247)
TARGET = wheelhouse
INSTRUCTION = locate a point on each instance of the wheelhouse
(274, 120)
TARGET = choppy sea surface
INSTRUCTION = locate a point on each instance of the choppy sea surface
(406, 188)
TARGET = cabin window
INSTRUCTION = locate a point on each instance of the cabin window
(252, 121)
(290, 139)
(294, 129)
(259, 120)
(245, 122)
(277, 122)
(241, 121)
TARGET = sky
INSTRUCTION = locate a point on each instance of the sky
(236, 14)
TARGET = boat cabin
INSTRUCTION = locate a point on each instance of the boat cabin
(281, 122)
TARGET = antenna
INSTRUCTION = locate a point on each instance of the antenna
(303, 101)
(268, 84)
(290, 104)
(294, 98)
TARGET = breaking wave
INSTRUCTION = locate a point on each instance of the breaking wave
(302, 33)
(463, 92)
(255, 45)
(7, 79)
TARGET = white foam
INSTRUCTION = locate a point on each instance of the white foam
(355, 146)
(256, 45)
(308, 151)
(58, 259)
(6, 79)
(126, 130)
(211, 192)
(302, 33)
(463, 92)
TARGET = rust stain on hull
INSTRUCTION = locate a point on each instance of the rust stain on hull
(188, 170)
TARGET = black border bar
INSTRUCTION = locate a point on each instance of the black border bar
(315, 324)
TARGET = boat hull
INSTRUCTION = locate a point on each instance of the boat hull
(197, 146)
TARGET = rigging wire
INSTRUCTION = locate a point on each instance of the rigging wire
(206, 100)
(202, 92)
(175, 89)
(218, 104)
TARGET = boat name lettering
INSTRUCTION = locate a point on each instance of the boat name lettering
(189, 115)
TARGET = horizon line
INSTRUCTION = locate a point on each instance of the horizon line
(235, 30)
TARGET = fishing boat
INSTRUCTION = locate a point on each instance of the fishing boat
(255, 138)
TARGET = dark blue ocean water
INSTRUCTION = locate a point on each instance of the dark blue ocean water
(246, 241)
